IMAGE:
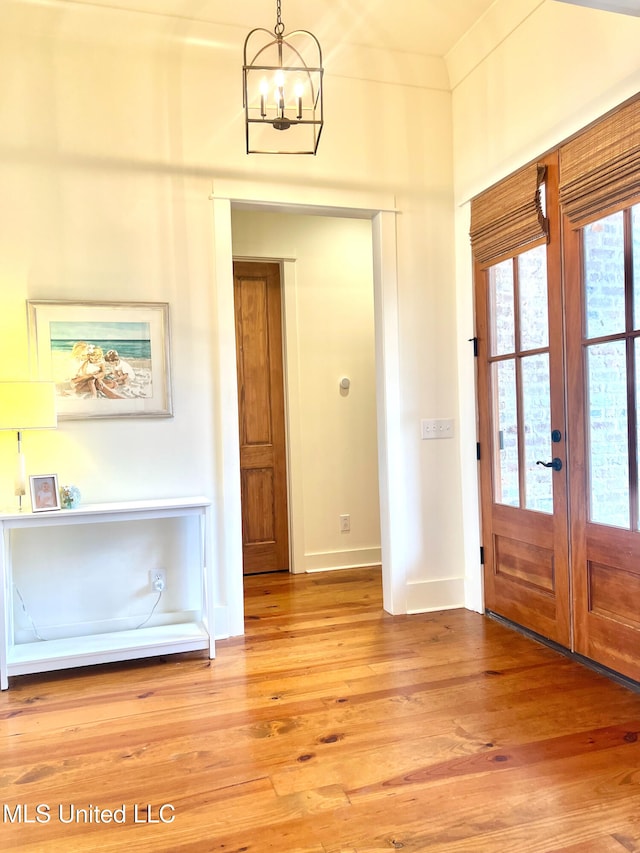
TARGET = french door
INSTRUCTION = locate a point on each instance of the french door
(522, 433)
(603, 365)
(558, 393)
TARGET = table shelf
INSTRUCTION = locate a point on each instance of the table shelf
(21, 658)
(47, 655)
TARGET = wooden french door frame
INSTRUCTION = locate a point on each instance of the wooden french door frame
(526, 559)
(605, 560)
(574, 576)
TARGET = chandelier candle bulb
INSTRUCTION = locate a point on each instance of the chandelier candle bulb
(264, 91)
(299, 91)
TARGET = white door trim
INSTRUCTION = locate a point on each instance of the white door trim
(228, 519)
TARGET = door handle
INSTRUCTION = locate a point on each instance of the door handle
(555, 463)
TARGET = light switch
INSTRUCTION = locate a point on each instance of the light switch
(436, 428)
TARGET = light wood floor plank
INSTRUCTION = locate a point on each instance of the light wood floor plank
(330, 727)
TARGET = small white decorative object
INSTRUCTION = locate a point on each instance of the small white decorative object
(69, 497)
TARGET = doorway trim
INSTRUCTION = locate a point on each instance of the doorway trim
(227, 549)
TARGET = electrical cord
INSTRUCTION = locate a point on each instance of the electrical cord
(27, 614)
(142, 624)
(158, 587)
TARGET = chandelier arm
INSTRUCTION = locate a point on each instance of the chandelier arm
(264, 47)
(286, 41)
(257, 55)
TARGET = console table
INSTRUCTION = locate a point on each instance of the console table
(19, 658)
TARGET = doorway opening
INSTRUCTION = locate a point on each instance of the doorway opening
(227, 532)
(329, 376)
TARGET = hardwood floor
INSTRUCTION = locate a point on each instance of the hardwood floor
(331, 727)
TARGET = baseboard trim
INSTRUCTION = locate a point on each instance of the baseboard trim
(433, 595)
(322, 561)
(377, 565)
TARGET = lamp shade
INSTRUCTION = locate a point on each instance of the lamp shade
(27, 405)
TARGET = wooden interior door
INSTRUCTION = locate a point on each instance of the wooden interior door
(602, 272)
(522, 424)
(261, 417)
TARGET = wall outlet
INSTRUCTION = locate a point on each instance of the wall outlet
(345, 524)
(157, 580)
(436, 428)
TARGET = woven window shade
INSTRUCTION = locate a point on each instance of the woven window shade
(508, 217)
(600, 168)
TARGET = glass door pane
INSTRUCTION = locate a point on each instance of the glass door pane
(607, 433)
(604, 284)
(532, 289)
(611, 260)
(537, 432)
(519, 347)
(506, 465)
(502, 308)
(637, 389)
(603, 350)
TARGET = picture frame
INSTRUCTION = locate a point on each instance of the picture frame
(45, 495)
(106, 359)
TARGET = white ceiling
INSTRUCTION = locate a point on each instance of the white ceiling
(429, 27)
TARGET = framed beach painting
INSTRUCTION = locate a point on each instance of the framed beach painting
(107, 359)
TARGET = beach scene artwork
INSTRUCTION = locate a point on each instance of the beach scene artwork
(106, 359)
(109, 360)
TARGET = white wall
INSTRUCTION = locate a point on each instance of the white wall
(328, 334)
(528, 75)
(115, 128)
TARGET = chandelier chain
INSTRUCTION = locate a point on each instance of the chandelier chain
(279, 27)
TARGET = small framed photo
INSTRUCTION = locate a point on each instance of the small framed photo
(44, 492)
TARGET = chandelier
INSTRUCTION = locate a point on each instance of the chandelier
(282, 90)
